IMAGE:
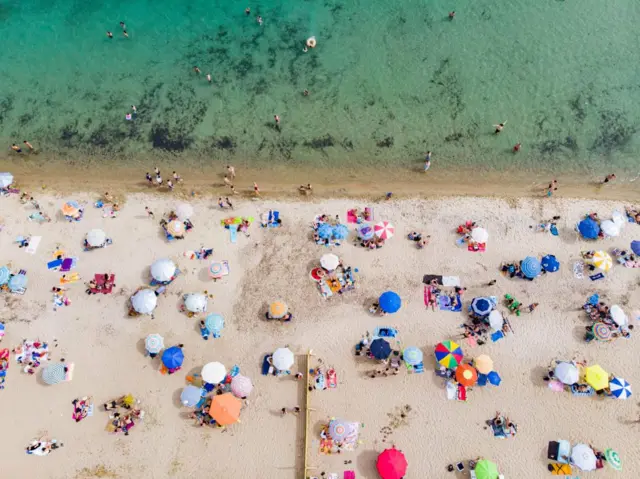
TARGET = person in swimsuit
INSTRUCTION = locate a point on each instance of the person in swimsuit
(16, 148)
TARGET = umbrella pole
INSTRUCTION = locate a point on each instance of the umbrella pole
(308, 410)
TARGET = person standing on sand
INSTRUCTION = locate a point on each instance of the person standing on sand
(233, 190)
(149, 179)
(226, 200)
(256, 190)
(427, 161)
(553, 186)
(176, 177)
(28, 145)
(158, 180)
(609, 178)
(231, 171)
(170, 185)
(149, 212)
(220, 203)
(156, 170)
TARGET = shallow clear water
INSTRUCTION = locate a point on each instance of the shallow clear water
(388, 80)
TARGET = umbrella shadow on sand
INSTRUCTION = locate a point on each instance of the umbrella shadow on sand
(203, 275)
(140, 346)
(366, 462)
(537, 374)
(145, 276)
(175, 398)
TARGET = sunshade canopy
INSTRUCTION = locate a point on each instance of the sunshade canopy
(390, 302)
(596, 377)
(278, 309)
(566, 373)
(96, 237)
(144, 301)
(380, 348)
(329, 261)
(225, 409)
(6, 179)
(163, 270)
(610, 228)
(282, 359)
(483, 363)
(241, 386)
(154, 343)
(172, 357)
(466, 375)
(184, 211)
(191, 396)
(53, 374)
(583, 457)
(588, 228)
(479, 235)
(550, 263)
(392, 464)
(486, 470)
(214, 322)
(449, 354)
(530, 267)
(412, 355)
(213, 373)
(195, 302)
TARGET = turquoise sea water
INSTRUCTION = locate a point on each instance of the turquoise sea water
(388, 80)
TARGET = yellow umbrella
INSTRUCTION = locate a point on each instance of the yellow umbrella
(596, 377)
(277, 309)
(602, 260)
(175, 228)
(483, 363)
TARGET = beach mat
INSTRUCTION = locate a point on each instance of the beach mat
(441, 280)
(482, 247)
(233, 233)
(351, 218)
(34, 242)
(596, 277)
(56, 263)
(558, 469)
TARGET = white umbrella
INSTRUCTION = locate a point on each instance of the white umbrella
(96, 238)
(6, 179)
(479, 235)
(567, 373)
(213, 373)
(163, 270)
(184, 211)
(496, 321)
(282, 359)
(196, 303)
(609, 228)
(144, 301)
(618, 316)
(583, 457)
(329, 261)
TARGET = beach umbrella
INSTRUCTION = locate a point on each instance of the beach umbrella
(172, 357)
(588, 228)
(154, 343)
(602, 260)
(530, 267)
(175, 228)
(466, 375)
(213, 373)
(483, 363)
(448, 354)
(163, 270)
(144, 301)
(601, 331)
(550, 263)
(216, 269)
(339, 430)
(282, 359)
(225, 409)
(214, 322)
(4, 275)
(380, 348)
(583, 457)
(494, 378)
(53, 374)
(195, 302)
(389, 302)
(340, 232)
(486, 470)
(566, 373)
(610, 228)
(191, 396)
(613, 459)
(278, 309)
(329, 261)
(618, 316)
(620, 388)
(325, 231)
(479, 235)
(412, 355)
(496, 321)
(596, 377)
(365, 232)
(481, 306)
(392, 464)
(6, 179)
(482, 380)
(241, 386)
(18, 282)
(71, 208)
(184, 211)
(384, 230)
(635, 247)
(96, 238)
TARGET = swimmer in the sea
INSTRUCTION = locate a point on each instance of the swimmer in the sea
(109, 34)
(499, 127)
(123, 26)
(209, 77)
(247, 11)
(259, 20)
(124, 32)
(451, 15)
(196, 69)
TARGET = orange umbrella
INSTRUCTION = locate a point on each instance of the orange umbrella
(225, 409)
(466, 375)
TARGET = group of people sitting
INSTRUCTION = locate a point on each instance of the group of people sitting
(633, 214)
(373, 243)
(123, 422)
(599, 312)
(626, 258)
(502, 426)
(420, 241)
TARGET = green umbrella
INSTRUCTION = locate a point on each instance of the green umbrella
(486, 470)
(613, 459)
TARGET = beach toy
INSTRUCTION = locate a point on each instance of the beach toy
(311, 42)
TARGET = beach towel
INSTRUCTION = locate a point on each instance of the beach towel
(72, 278)
(351, 217)
(596, 277)
(332, 379)
(588, 393)
(320, 382)
(558, 469)
(326, 445)
(462, 393)
(497, 336)
(477, 247)
(349, 475)
(233, 233)
(554, 230)
(266, 366)
(450, 281)
(56, 263)
(68, 264)
(578, 269)
(34, 242)
(498, 431)
(427, 295)
(452, 391)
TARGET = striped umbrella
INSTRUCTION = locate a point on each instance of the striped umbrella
(466, 375)
(481, 306)
(449, 354)
(412, 355)
(613, 459)
(384, 230)
(175, 228)
(601, 331)
(278, 309)
(339, 430)
(53, 374)
(620, 388)
(241, 386)
(530, 267)
(602, 260)
(154, 343)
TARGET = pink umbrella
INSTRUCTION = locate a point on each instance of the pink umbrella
(384, 230)
(241, 386)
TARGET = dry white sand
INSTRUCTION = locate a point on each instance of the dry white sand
(106, 345)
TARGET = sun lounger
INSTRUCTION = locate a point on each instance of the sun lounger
(385, 332)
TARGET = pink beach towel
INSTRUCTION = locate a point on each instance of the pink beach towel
(349, 475)
(351, 217)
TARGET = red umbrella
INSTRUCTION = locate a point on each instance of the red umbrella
(392, 464)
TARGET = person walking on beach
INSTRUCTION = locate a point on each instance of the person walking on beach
(221, 203)
(233, 190)
(149, 212)
(427, 161)
(609, 178)
(16, 148)
(156, 170)
(226, 200)
(256, 190)
(176, 177)
(532, 307)
(499, 127)
(553, 186)
(170, 185)
(158, 180)
(28, 145)
(149, 179)
(231, 171)
(227, 181)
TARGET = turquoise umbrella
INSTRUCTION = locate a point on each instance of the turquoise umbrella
(412, 355)
(214, 322)
(4, 275)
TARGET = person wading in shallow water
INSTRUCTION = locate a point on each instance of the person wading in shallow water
(277, 120)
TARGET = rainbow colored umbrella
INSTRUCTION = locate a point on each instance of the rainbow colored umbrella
(601, 331)
(449, 354)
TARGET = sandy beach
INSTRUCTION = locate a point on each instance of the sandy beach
(107, 346)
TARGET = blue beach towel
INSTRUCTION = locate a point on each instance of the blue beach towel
(54, 264)
(233, 233)
(554, 230)
(596, 277)
(497, 336)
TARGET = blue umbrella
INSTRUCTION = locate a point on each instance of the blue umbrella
(635, 247)
(588, 228)
(214, 322)
(172, 358)
(494, 378)
(482, 380)
(18, 282)
(550, 263)
(4, 275)
(380, 348)
(390, 302)
(191, 396)
(530, 267)
(340, 232)
(325, 231)
(481, 306)
(412, 356)
(365, 232)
